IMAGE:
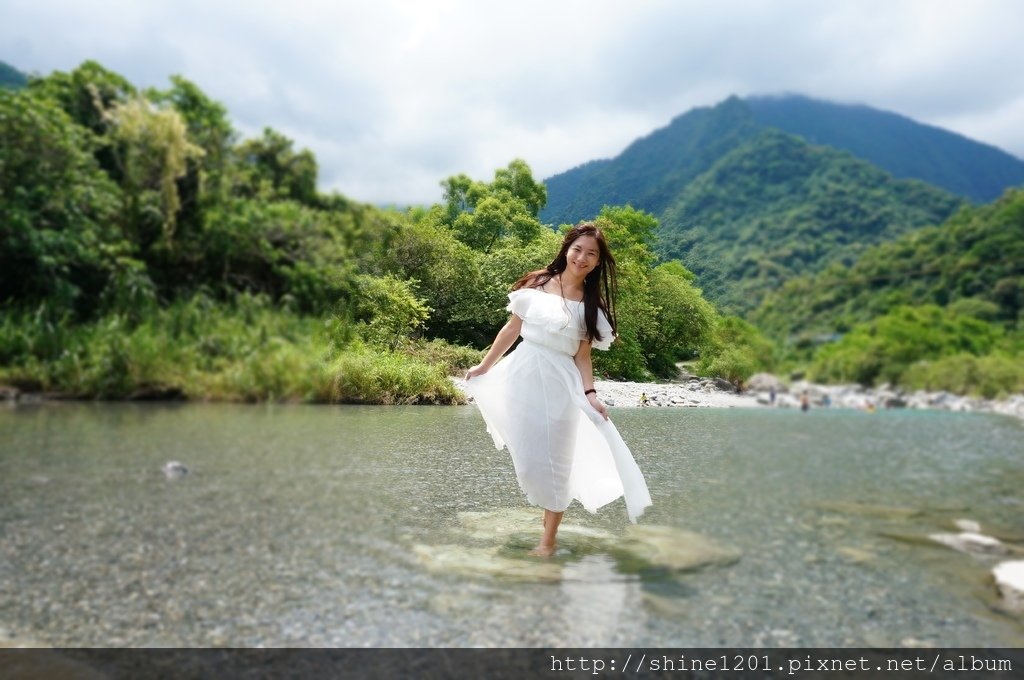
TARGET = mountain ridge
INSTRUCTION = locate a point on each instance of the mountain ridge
(904, 147)
(746, 205)
(975, 170)
(777, 207)
(11, 77)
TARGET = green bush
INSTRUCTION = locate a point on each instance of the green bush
(389, 378)
(388, 310)
(992, 376)
(737, 351)
(884, 349)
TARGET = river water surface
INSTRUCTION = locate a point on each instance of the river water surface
(402, 526)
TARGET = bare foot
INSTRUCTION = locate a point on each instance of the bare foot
(543, 550)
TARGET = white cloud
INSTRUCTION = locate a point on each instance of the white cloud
(394, 96)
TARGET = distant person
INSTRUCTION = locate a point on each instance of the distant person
(540, 400)
(771, 395)
(644, 401)
(805, 401)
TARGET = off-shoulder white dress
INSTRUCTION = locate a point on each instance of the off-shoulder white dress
(532, 402)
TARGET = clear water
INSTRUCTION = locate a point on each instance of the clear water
(402, 526)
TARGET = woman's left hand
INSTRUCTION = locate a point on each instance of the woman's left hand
(598, 405)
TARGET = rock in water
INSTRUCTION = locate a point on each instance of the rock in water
(675, 549)
(1009, 577)
(971, 543)
(468, 561)
(968, 525)
(175, 470)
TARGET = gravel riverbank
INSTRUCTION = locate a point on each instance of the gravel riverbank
(710, 393)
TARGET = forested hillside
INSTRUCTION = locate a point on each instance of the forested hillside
(776, 207)
(902, 147)
(974, 262)
(652, 171)
(11, 77)
(747, 206)
(939, 308)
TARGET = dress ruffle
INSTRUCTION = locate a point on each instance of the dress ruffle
(554, 314)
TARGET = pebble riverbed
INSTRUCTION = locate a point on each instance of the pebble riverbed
(402, 526)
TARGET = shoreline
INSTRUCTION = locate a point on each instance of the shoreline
(710, 393)
(693, 392)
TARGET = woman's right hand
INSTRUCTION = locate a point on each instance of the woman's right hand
(479, 369)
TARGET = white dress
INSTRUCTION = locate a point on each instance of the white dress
(532, 402)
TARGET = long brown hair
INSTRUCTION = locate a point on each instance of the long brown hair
(599, 287)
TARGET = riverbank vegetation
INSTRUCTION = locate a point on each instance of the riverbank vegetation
(146, 251)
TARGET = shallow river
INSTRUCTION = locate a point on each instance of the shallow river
(402, 526)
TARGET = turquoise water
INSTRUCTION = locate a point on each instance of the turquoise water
(402, 526)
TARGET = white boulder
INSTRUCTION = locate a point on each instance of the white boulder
(1009, 578)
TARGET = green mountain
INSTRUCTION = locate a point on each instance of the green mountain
(652, 171)
(776, 207)
(747, 205)
(12, 77)
(974, 263)
(899, 145)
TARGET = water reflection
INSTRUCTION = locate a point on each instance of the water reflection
(595, 598)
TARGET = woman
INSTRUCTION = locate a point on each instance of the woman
(533, 399)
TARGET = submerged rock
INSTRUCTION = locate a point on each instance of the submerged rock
(469, 561)
(967, 525)
(1009, 578)
(513, 532)
(512, 521)
(174, 470)
(675, 549)
(971, 543)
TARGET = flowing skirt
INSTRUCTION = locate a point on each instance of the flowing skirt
(532, 402)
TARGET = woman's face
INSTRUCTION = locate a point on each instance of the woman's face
(583, 256)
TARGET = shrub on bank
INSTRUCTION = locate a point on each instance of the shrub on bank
(363, 376)
(199, 349)
(992, 376)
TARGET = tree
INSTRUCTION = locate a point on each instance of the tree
(388, 310)
(482, 214)
(461, 194)
(736, 351)
(448, 279)
(208, 127)
(270, 167)
(152, 149)
(517, 180)
(57, 208)
(86, 94)
(685, 321)
(496, 216)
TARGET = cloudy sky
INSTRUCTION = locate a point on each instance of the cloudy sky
(394, 96)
